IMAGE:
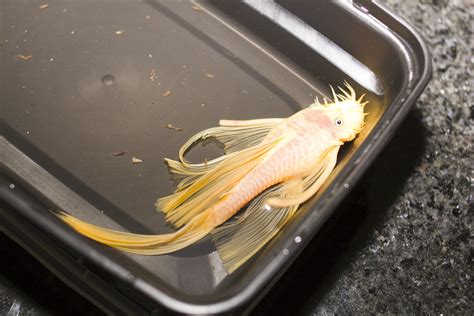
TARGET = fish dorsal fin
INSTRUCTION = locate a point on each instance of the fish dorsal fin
(239, 240)
(204, 188)
(234, 135)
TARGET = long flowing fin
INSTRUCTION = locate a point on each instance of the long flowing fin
(234, 135)
(298, 191)
(203, 190)
(240, 239)
(196, 229)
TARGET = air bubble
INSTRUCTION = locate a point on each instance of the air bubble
(286, 252)
(346, 185)
(11, 186)
(298, 239)
(108, 80)
(267, 207)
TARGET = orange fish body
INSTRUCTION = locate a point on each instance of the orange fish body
(277, 164)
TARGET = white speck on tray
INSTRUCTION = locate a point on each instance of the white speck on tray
(136, 160)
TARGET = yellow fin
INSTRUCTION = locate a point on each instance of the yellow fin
(298, 191)
(239, 240)
(196, 229)
(205, 189)
(235, 135)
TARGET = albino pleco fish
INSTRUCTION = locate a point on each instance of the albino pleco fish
(275, 164)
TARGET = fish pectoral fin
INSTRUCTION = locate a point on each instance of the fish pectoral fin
(239, 240)
(298, 191)
(234, 135)
(199, 191)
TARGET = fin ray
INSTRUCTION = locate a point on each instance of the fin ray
(239, 240)
(200, 191)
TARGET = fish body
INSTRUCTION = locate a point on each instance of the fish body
(305, 137)
(273, 165)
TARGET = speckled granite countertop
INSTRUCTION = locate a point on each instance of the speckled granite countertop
(400, 243)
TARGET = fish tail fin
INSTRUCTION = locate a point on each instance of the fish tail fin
(143, 244)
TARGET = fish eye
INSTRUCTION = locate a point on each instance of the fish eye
(338, 122)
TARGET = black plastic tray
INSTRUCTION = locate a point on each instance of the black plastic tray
(88, 90)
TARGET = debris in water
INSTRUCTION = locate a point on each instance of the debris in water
(170, 126)
(210, 76)
(119, 32)
(43, 6)
(153, 75)
(118, 153)
(24, 57)
(135, 160)
(167, 93)
(196, 8)
(147, 17)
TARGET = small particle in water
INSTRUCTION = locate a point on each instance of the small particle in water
(23, 86)
(11, 186)
(26, 31)
(147, 17)
(286, 252)
(24, 57)
(346, 185)
(297, 239)
(153, 75)
(118, 153)
(267, 207)
(210, 76)
(150, 55)
(27, 132)
(167, 93)
(43, 6)
(202, 105)
(72, 32)
(171, 126)
(196, 8)
(136, 160)
(119, 32)
(51, 59)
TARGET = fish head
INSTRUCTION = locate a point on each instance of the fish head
(346, 113)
